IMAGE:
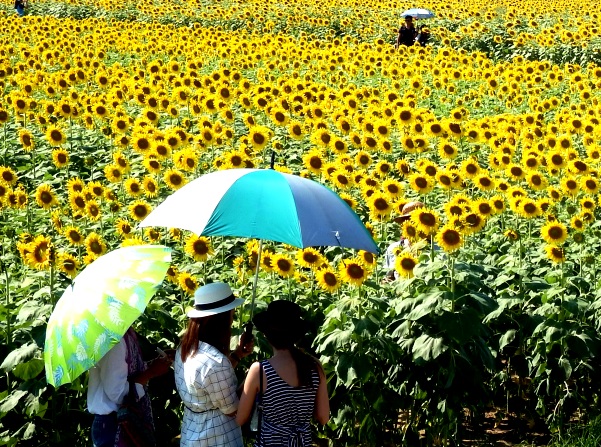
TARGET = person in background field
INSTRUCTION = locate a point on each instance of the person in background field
(20, 6)
(407, 33)
(204, 370)
(401, 244)
(109, 384)
(422, 36)
(294, 383)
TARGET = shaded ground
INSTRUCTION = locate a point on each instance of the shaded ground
(500, 430)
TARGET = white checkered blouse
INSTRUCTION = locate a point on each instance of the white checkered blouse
(207, 385)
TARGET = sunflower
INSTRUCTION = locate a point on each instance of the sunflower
(392, 187)
(327, 280)
(152, 234)
(68, 264)
(172, 273)
(473, 223)
(484, 208)
(405, 264)
(555, 253)
(55, 136)
(449, 239)
(77, 201)
(380, 205)
(40, 253)
(283, 265)
(73, 235)
(152, 165)
(421, 183)
(174, 179)
(124, 228)
(536, 181)
(45, 196)
(150, 186)
(295, 130)
(556, 160)
(352, 271)
(368, 259)
(267, 257)
(589, 184)
(554, 233)
(588, 204)
(8, 176)
(314, 161)
(259, 136)
(425, 220)
(309, 257)
(528, 208)
(139, 209)
(113, 173)
(26, 139)
(96, 189)
(577, 223)
(349, 199)
(511, 235)
(363, 159)
(571, 186)
(133, 187)
(95, 245)
(447, 150)
(187, 282)
(93, 210)
(198, 247)
(483, 182)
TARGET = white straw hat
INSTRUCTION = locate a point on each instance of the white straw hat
(213, 299)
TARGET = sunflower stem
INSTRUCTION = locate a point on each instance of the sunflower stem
(33, 162)
(52, 254)
(8, 315)
(453, 282)
(5, 143)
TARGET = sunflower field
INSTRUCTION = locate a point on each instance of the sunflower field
(108, 107)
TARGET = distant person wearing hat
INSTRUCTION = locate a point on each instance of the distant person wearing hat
(407, 33)
(204, 370)
(293, 383)
(401, 244)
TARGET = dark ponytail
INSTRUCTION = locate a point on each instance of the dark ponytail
(305, 365)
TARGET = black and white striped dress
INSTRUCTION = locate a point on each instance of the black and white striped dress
(287, 411)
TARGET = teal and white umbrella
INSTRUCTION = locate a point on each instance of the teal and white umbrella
(263, 204)
(102, 303)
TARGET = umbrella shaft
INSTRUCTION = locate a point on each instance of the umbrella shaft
(254, 294)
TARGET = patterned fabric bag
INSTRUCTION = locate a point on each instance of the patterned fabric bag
(132, 421)
(136, 428)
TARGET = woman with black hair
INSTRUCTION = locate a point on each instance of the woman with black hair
(293, 383)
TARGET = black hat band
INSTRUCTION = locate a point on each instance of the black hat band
(216, 304)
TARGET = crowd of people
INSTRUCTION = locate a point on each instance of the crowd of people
(291, 385)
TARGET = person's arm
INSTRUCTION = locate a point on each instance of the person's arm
(157, 367)
(113, 373)
(249, 394)
(322, 401)
(398, 38)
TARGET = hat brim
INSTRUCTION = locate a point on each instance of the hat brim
(265, 324)
(402, 218)
(195, 313)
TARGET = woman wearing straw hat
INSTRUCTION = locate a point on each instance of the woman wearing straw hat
(204, 370)
(292, 383)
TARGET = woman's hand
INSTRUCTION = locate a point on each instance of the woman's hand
(245, 345)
